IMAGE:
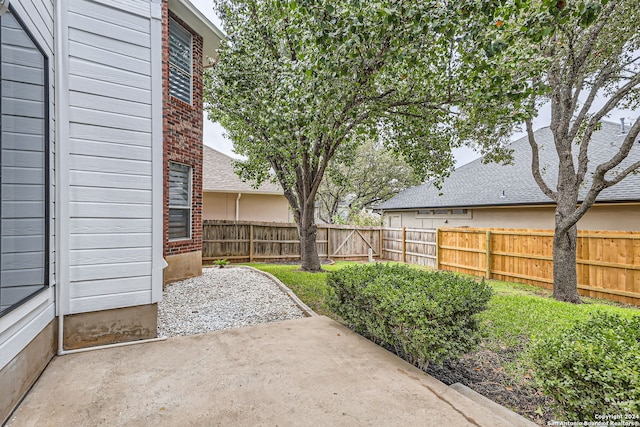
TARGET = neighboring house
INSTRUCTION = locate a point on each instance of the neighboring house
(226, 196)
(82, 173)
(493, 195)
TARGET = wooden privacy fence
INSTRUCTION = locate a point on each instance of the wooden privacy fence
(608, 263)
(410, 245)
(265, 241)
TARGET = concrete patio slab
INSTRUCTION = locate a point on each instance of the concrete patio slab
(304, 372)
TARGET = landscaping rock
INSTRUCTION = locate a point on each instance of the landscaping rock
(222, 299)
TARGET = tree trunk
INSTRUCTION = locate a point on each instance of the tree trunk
(565, 279)
(307, 230)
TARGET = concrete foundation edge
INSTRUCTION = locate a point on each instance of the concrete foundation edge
(182, 266)
(17, 377)
(513, 418)
(110, 326)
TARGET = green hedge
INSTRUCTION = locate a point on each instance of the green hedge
(425, 316)
(592, 368)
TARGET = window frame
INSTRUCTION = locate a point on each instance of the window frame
(46, 284)
(188, 206)
(175, 67)
(444, 213)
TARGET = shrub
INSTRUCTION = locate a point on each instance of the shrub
(592, 368)
(364, 218)
(425, 316)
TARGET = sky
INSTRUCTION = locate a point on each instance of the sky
(214, 133)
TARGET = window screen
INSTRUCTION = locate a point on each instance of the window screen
(23, 165)
(180, 71)
(179, 201)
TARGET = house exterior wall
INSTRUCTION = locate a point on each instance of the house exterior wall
(105, 173)
(20, 362)
(27, 333)
(183, 144)
(253, 207)
(605, 217)
(110, 149)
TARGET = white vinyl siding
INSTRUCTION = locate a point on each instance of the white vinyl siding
(179, 201)
(110, 155)
(180, 62)
(23, 236)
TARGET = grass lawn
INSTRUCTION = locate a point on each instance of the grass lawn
(516, 311)
(516, 315)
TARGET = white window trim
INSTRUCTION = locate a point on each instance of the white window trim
(180, 70)
(449, 213)
(189, 206)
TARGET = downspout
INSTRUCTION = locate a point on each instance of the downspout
(238, 207)
(61, 97)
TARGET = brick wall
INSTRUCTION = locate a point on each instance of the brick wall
(182, 131)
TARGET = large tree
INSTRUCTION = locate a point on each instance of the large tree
(297, 82)
(373, 174)
(579, 53)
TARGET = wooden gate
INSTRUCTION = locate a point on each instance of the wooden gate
(348, 242)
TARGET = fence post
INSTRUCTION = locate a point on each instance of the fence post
(381, 245)
(251, 243)
(437, 249)
(404, 244)
(488, 259)
(328, 242)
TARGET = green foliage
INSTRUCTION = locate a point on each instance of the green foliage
(221, 262)
(516, 313)
(426, 316)
(360, 218)
(592, 368)
(580, 57)
(519, 312)
(364, 218)
(360, 179)
(299, 83)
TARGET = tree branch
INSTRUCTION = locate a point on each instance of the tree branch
(616, 98)
(535, 163)
(599, 182)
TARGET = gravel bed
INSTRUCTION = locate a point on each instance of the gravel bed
(222, 299)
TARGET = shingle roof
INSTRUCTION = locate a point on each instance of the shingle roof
(478, 184)
(218, 175)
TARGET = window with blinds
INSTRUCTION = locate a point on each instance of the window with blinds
(179, 201)
(180, 64)
(24, 182)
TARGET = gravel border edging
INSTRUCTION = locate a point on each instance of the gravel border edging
(297, 301)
